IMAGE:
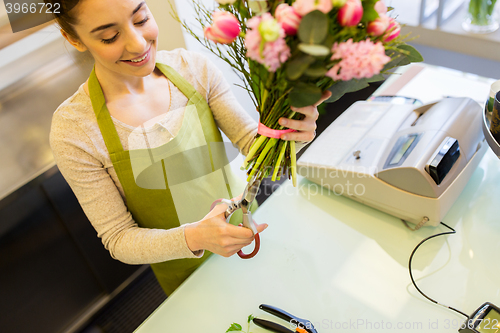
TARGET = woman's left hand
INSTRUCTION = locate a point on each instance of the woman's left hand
(306, 128)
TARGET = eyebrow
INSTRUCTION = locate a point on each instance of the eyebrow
(109, 25)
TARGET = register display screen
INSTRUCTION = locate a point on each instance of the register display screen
(402, 150)
(490, 323)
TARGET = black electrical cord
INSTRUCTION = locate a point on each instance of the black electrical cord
(411, 275)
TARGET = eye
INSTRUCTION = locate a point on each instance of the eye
(143, 21)
(109, 40)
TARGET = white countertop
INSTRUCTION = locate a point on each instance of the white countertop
(344, 266)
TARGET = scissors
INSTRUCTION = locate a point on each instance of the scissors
(244, 203)
(300, 325)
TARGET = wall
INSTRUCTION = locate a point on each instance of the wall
(170, 30)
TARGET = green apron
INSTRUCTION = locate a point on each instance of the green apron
(177, 182)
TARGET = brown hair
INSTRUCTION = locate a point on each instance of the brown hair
(63, 17)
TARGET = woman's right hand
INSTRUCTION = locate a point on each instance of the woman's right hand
(214, 234)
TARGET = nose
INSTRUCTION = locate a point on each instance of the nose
(136, 42)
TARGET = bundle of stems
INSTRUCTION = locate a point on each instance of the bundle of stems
(271, 156)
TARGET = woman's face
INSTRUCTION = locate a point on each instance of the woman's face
(121, 35)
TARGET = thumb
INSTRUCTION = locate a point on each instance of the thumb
(326, 95)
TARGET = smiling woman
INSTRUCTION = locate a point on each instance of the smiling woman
(140, 144)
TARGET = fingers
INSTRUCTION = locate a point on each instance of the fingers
(305, 128)
(306, 124)
(310, 112)
(299, 136)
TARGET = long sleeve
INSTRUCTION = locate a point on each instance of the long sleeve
(75, 155)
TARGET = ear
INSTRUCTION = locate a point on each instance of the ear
(77, 44)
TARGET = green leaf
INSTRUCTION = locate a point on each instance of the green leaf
(304, 94)
(316, 71)
(369, 15)
(398, 59)
(369, 12)
(234, 328)
(376, 78)
(413, 55)
(329, 41)
(314, 50)
(313, 28)
(250, 318)
(343, 87)
(296, 67)
(405, 55)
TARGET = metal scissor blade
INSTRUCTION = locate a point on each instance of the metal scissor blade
(250, 193)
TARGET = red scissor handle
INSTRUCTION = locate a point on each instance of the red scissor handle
(256, 236)
(255, 250)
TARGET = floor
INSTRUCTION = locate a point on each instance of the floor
(139, 300)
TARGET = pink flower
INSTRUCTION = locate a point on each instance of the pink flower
(380, 7)
(350, 14)
(357, 60)
(224, 29)
(303, 7)
(378, 26)
(271, 54)
(288, 18)
(392, 31)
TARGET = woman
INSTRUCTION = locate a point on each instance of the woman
(136, 127)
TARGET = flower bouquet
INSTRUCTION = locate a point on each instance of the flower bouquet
(287, 53)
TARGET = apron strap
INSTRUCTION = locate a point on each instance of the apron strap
(181, 83)
(104, 120)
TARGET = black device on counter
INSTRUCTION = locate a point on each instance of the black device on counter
(293, 321)
(486, 319)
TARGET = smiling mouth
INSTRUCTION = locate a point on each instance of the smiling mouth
(138, 60)
(141, 58)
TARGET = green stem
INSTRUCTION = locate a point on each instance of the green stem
(278, 163)
(293, 158)
(262, 155)
(265, 91)
(255, 146)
